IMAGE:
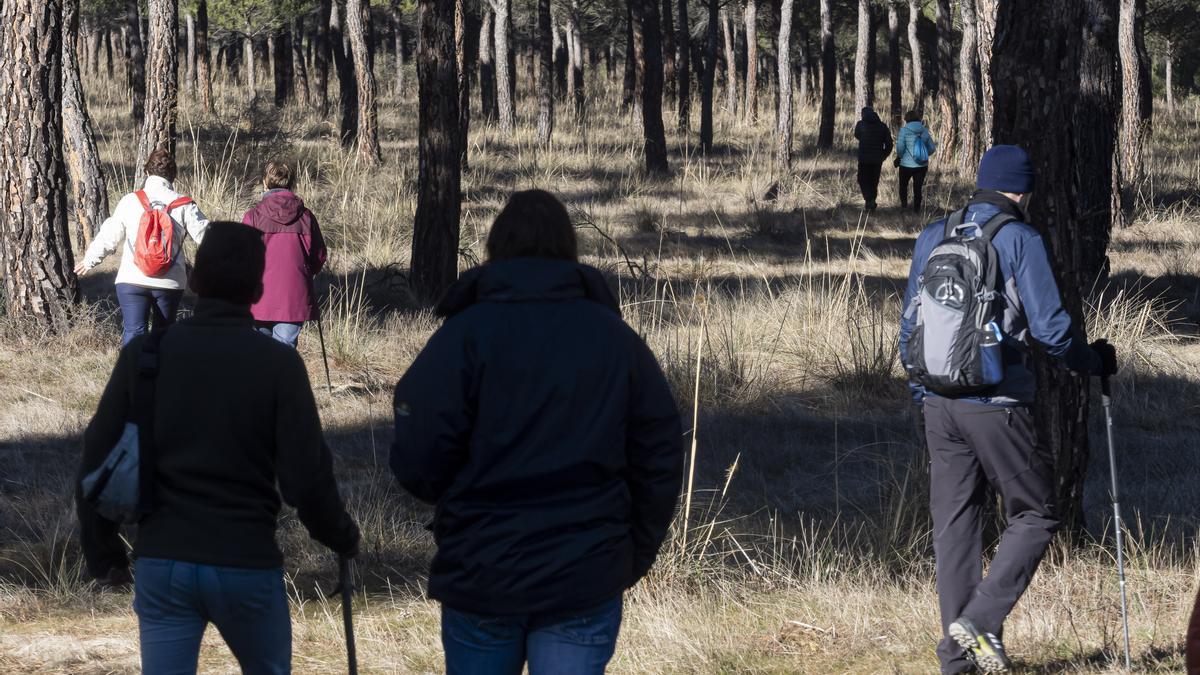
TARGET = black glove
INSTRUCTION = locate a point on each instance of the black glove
(117, 579)
(1107, 354)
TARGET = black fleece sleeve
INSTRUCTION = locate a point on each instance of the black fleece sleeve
(434, 416)
(103, 549)
(304, 464)
(654, 449)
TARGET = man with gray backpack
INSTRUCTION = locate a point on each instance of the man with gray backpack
(981, 289)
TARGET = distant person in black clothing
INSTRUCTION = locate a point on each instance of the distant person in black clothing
(234, 416)
(874, 146)
(542, 428)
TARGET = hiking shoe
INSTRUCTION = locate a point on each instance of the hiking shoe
(984, 648)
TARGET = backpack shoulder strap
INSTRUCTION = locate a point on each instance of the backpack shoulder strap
(993, 225)
(182, 201)
(141, 195)
(954, 221)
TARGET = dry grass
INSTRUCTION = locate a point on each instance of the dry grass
(807, 548)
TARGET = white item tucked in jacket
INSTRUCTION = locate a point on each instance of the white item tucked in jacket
(121, 231)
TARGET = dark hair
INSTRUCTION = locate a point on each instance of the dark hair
(161, 163)
(278, 175)
(230, 263)
(913, 116)
(533, 224)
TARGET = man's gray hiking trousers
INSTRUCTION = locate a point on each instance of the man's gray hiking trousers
(970, 443)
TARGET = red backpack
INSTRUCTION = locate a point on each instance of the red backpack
(154, 248)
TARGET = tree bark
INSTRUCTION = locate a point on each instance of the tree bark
(968, 91)
(895, 79)
(398, 39)
(251, 71)
(947, 89)
(299, 64)
(462, 66)
(487, 66)
(914, 47)
(162, 82)
(629, 83)
(203, 71)
(985, 15)
(368, 120)
(109, 36)
(750, 107)
(434, 264)
(864, 91)
(828, 79)
(1055, 95)
(504, 74)
(731, 86)
(347, 82)
(35, 246)
(709, 77)
(322, 54)
(284, 73)
(189, 81)
(1136, 99)
(575, 54)
(670, 56)
(1169, 75)
(79, 140)
(545, 78)
(783, 126)
(648, 50)
(683, 51)
(135, 58)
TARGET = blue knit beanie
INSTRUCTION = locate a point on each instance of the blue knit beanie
(1006, 168)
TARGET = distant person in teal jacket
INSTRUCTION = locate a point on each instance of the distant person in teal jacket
(914, 146)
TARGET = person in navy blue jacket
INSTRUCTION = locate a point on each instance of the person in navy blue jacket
(992, 437)
(543, 430)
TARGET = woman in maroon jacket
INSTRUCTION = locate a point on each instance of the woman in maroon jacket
(295, 254)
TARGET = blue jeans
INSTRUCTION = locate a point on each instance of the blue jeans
(287, 333)
(175, 601)
(579, 643)
(139, 304)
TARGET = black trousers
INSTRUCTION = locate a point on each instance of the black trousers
(917, 176)
(868, 181)
(970, 443)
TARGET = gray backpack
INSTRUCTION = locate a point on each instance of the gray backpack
(955, 348)
(121, 489)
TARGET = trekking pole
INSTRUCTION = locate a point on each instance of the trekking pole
(1106, 400)
(324, 355)
(347, 584)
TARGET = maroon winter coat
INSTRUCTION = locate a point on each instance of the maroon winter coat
(295, 254)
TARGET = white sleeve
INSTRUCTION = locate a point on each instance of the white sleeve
(110, 236)
(195, 222)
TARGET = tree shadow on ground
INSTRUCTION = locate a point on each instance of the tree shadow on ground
(1153, 660)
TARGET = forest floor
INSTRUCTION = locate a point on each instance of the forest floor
(807, 546)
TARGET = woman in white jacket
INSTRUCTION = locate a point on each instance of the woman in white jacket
(140, 295)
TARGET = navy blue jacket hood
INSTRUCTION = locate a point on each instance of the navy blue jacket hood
(524, 280)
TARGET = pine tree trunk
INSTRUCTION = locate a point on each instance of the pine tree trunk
(109, 36)
(985, 16)
(504, 62)
(914, 47)
(670, 67)
(709, 77)
(1073, 201)
(79, 140)
(189, 82)
(347, 82)
(35, 246)
(284, 75)
(299, 65)
(731, 85)
(1169, 75)
(463, 47)
(1136, 99)
(368, 120)
(648, 51)
(802, 66)
(162, 82)
(575, 54)
(968, 91)
(487, 66)
(947, 90)
(750, 108)
(435, 244)
(683, 51)
(545, 79)
(863, 89)
(828, 79)
(895, 74)
(135, 58)
(783, 127)
(398, 27)
(248, 58)
(322, 52)
(629, 83)
(203, 71)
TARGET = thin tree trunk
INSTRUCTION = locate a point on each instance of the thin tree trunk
(248, 58)
(462, 68)
(545, 79)
(863, 91)
(1136, 101)
(434, 264)
(109, 36)
(731, 86)
(648, 50)
(750, 107)
(189, 82)
(629, 84)
(828, 79)
(322, 53)
(347, 82)
(802, 67)
(783, 127)
(709, 78)
(683, 53)
(79, 140)
(986, 35)
(299, 65)
(947, 89)
(895, 78)
(35, 246)
(135, 58)
(914, 47)
(203, 71)
(1169, 75)
(162, 82)
(968, 91)
(284, 75)
(487, 66)
(575, 54)
(368, 120)
(504, 62)
(398, 27)
(670, 67)
(1073, 201)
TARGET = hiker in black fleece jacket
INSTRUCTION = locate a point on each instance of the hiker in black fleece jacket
(234, 418)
